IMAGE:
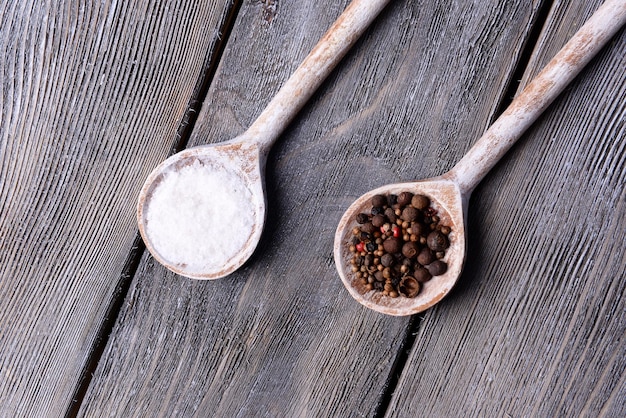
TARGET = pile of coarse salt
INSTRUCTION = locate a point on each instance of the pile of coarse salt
(200, 216)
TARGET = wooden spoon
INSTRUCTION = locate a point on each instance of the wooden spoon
(242, 160)
(450, 192)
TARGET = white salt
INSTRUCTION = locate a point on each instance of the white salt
(200, 216)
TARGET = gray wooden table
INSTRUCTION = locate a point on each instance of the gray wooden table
(94, 95)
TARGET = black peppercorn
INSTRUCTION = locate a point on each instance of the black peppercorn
(392, 199)
(362, 218)
(377, 210)
(387, 260)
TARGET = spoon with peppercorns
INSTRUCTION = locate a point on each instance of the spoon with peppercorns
(400, 249)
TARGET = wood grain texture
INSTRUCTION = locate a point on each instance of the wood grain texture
(91, 96)
(536, 326)
(282, 337)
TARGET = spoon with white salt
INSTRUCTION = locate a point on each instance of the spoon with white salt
(201, 212)
(449, 193)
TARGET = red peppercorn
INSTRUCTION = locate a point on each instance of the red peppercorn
(360, 246)
(396, 231)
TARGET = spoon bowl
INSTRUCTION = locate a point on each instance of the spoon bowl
(236, 164)
(447, 200)
(450, 193)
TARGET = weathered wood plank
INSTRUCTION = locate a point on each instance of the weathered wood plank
(282, 337)
(537, 324)
(91, 96)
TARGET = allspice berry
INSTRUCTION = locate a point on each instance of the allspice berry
(437, 268)
(420, 201)
(422, 275)
(425, 257)
(417, 228)
(378, 220)
(391, 215)
(379, 200)
(405, 198)
(409, 214)
(392, 245)
(410, 249)
(437, 241)
(369, 228)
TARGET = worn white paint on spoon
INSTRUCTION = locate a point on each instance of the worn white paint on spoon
(450, 192)
(241, 161)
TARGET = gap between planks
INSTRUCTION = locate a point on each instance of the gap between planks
(183, 133)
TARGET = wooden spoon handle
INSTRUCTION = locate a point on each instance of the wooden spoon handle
(538, 95)
(313, 70)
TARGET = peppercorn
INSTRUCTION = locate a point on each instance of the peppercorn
(368, 227)
(409, 214)
(387, 260)
(437, 241)
(387, 272)
(392, 245)
(392, 199)
(376, 210)
(404, 198)
(410, 249)
(422, 275)
(391, 214)
(425, 257)
(361, 218)
(420, 201)
(378, 220)
(379, 200)
(437, 268)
